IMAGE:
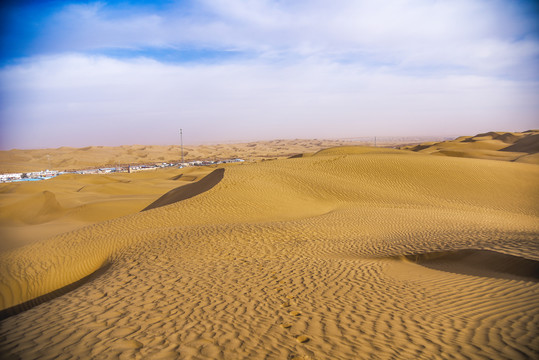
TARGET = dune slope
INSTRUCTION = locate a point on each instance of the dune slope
(188, 191)
(480, 263)
(293, 258)
(35, 211)
(505, 146)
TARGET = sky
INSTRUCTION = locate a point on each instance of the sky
(80, 73)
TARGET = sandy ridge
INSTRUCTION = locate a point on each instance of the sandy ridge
(505, 146)
(188, 191)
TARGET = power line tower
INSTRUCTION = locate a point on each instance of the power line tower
(181, 143)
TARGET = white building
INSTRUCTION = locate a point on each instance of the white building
(10, 177)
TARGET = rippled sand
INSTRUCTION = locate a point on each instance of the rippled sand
(319, 257)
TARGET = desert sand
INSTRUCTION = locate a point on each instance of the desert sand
(347, 253)
(505, 146)
(34, 211)
(67, 158)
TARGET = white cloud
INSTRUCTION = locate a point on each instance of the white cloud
(312, 69)
(77, 100)
(473, 36)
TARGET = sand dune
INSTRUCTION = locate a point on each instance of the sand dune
(35, 211)
(17, 309)
(506, 146)
(188, 191)
(528, 144)
(293, 258)
(66, 158)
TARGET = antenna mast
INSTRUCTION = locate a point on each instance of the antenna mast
(181, 142)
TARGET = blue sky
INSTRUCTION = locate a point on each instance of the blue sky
(112, 73)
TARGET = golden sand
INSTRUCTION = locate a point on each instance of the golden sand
(34, 211)
(341, 237)
(506, 146)
(67, 158)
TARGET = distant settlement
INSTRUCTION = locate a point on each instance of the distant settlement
(49, 174)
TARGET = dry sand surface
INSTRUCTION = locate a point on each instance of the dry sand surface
(66, 158)
(350, 253)
(506, 146)
(34, 211)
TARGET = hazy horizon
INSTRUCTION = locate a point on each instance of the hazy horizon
(364, 139)
(117, 73)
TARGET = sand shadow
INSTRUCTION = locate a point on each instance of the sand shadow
(17, 309)
(189, 190)
(484, 263)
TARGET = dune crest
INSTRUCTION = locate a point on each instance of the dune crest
(188, 191)
(17, 309)
(506, 146)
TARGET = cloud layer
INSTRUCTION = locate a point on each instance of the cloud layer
(468, 35)
(231, 70)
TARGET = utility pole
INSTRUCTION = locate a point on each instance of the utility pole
(375, 141)
(181, 142)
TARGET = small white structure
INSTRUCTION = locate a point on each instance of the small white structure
(10, 177)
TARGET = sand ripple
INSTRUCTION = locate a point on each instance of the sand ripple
(206, 278)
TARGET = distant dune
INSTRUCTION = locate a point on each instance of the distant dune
(506, 146)
(344, 253)
(66, 158)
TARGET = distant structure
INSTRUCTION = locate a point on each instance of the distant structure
(375, 141)
(181, 143)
